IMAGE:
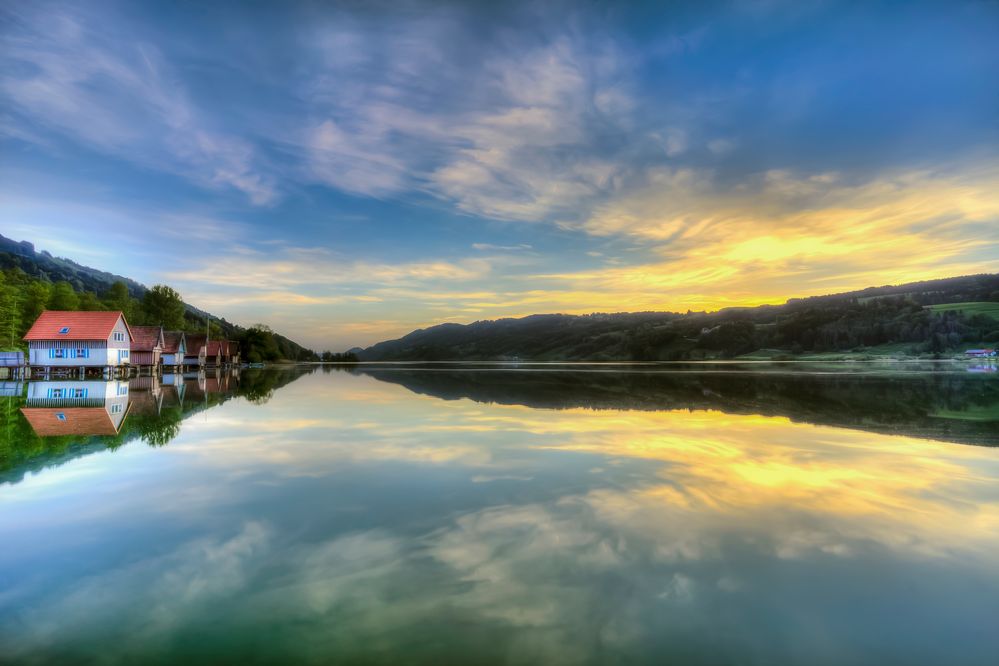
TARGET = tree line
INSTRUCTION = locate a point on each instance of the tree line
(851, 322)
(23, 297)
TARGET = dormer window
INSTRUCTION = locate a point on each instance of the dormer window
(64, 330)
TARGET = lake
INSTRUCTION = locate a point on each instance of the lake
(575, 514)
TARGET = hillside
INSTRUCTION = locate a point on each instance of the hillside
(22, 265)
(895, 319)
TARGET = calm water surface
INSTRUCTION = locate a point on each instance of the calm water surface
(488, 514)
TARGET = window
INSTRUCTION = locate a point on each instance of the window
(82, 353)
(60, 416)
(78, 393)
(58, 353)
(57, 393)
(119, 336)
(123, 389)
(116, 408)
(64, 330)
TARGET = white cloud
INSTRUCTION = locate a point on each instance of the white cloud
(519, 139)
(93, 82)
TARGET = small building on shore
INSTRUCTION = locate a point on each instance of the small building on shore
(147, 345)
(174, 349)
(194, 355)
(230, 353)
(68, 339)
(213, 353)
(980, 353)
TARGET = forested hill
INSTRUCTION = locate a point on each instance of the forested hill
(31, 281)
(931, 318)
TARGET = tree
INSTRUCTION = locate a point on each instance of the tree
(117, 297)
(36, 299)
(90, 302)
(162, 306)
(257, 344)
(10, 316)
(63, 297)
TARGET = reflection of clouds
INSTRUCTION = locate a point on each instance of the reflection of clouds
(706, 465)
(144, 601)
(624, 529)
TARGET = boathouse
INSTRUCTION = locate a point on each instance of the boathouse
(230, 353)
(174, 349)
(147, 345)
(213, 353)
(65, 339)
(194, 355)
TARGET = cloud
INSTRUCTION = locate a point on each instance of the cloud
(511, 128)
(296, 267)
(501, 248)
(782, 234)
(93, 82)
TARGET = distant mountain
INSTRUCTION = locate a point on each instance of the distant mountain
(41, 264)
(852, 321)
(45, 266)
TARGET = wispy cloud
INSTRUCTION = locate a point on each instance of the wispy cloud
(522, 140)
(94, 83)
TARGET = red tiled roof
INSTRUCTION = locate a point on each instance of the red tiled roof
(214, 347)
(145, 338)
(171, 341)
(81, 325)
(77, 421)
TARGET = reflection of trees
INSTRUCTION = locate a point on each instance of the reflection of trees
(903, 403)
(22, 450)
(161, 429)
(258, 385)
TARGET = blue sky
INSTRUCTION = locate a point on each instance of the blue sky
(349, 172)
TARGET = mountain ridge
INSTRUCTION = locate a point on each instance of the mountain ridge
(889, 314)
(43, 265)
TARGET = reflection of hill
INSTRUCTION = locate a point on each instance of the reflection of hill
(155, 411)
(945, 406)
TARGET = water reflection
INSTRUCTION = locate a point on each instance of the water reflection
(50, 422)
(56, 408)
(941, 401)
(342, 518)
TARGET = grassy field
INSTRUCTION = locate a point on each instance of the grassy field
(888, 351)
(988, 308)
(975, 413)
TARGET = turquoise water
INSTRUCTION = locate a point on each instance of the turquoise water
(489, 514)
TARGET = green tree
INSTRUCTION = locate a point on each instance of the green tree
(258, 344)
(117, 297)
(10, 315)
(36, 299)
(162, 306)
(90, 302)
(63, 297)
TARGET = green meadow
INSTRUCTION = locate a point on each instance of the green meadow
(987, 308)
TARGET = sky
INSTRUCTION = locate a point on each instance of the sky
(348, 172)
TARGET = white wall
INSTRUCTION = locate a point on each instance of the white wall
(98, 357)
